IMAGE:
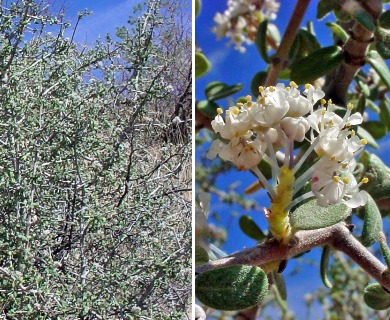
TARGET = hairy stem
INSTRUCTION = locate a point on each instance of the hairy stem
(280, 58)
(337, 236)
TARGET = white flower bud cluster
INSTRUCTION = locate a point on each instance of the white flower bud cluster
(280, 115)
(242, 18)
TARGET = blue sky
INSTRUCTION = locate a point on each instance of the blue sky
(230, 66)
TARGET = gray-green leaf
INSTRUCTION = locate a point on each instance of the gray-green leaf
(324, 266)
(375, 297)
(232, 288)
(218, 90)
(376, 61)
(310, 216)
(372, 223)
(250, 228)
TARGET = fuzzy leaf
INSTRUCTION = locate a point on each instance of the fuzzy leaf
(372, 223)
(365, 19)
(382, 42)
(376, 61)
(324, 266)
(198, 7)
(375, 128)
(378, 174)
(202, 64)
(364, 134)
(232, 288)
(338, 31)
(250, 228)
(280, 285)
(208, 108)
(384, 20)
(384, 114)
(316, 64)
(201, 256)
(310, 216)
(261, 41)
(258, 80)
(375, 297)
(324, 7)
(385, 250)
(217, 90)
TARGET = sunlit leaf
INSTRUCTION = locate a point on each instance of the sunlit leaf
(250, 228)
(232, 288)
(217, 90)
(376, 61)
(375, 297)
(324, 266)
(310, 216)
(261, 41)
(202, 65)
(208, 108)
(372, 223)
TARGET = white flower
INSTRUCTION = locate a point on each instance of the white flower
(237, 122)
(295, 128)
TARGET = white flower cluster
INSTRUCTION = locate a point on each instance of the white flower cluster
(280, 115)
(242, 18)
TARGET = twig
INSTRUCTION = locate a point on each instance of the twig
(280, 58)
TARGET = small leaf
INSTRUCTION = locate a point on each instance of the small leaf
(375, 128)
(217, 90)
(310, 216)
(382, 42)
(372, 223)
(376, 61)
(378, 174)
(280, 284)
(375, 297)
(384, 20)
(364, 134)
(208, 108)
(198, 7)
(250, 228)
(258, 80)
(324, 266)
(364, 87)
(324, 7)
(201, 256)
(385, 250)
(261, 41)
(365, 19)
(232, 288)
(316, 64)
(384, 114)
(361, 105)
(202, 64)
(338, 31)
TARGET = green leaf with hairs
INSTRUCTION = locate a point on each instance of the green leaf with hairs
(378, 173)
(310, 216)
(338, 31)
(208, 108)
(377, 63)
(232, 288)
(384, 20)
(372, 223)
(202, 65)
(375, 128)
(258, 80)
(324, 266)
(261, 41)
(218, 90)
(250, 228)
(316, 64)
(382, 42)
(198, 7)
(375, 297)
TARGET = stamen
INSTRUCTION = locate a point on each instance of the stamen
(306, 154)
(239, 104)
(336, 178)
(346, 180)
(249, 104)
(219, 111)
(261, 89)
(236, 111)
(350, 106)
(363, 141)
(248, 98)
(265, 182)
(293, 85)
(365, 180)
(301, 198)
(323, 101)
(272, 160)
(307, 86)
(271, 89)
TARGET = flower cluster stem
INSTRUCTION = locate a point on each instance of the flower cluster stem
(280, 57)
(277, 215)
